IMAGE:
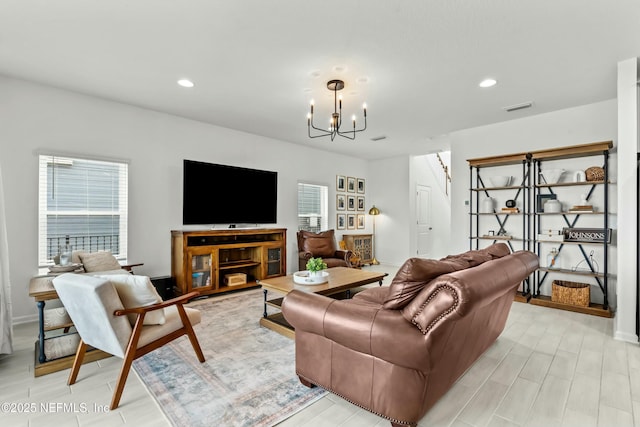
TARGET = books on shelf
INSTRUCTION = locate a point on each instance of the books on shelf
(581, 209)
(510, 210)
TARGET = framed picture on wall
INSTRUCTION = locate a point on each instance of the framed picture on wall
(351, 184)
(541, 199)
(341, 202)
(351, 203)
(360, 220)
(341, 221)
(360, 203)
(341, 183)
(351, 222)
(361, 185)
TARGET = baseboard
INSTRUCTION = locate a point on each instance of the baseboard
(627, 337)
(25, 319)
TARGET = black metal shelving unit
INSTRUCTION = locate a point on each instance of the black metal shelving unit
(572, 220)
(522, 196)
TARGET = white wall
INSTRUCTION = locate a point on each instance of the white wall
(392, 195)
(40, 117)
(625, 321)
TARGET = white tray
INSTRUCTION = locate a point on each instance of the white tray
(303, 278)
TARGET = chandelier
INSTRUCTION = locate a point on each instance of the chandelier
(335, 122)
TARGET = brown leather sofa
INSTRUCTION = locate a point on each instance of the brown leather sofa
(323, 245)
(395, 350)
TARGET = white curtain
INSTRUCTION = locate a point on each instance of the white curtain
(6, 328)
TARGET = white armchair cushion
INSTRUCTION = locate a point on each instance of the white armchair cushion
(91, 302)
(137, 291)
(173, 323)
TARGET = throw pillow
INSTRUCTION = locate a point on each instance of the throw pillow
(321, 244)
(137, 291)
(98, 261)
(414, 275)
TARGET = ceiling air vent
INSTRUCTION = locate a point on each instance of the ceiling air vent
(378, 138)
(517, 107)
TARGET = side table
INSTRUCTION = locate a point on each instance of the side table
(57, 352)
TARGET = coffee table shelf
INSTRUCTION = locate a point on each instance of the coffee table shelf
(342, 283)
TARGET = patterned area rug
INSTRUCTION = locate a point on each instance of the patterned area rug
(248, 378)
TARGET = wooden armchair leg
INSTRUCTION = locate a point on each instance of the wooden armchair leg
(77, 362)
(186, 323)
(122, 379)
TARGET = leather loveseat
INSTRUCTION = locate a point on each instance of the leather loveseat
(395, 350)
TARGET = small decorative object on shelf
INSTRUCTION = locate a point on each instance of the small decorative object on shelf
(552, 258)
(552, 206)
(592, 265)
(500, 181)
(594, 173)
(487, 205)
(587, 235)
(541, 199)
(572, 293)
(579, 176)
(550, 236)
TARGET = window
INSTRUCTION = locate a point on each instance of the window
(312, 207)
(84, 199)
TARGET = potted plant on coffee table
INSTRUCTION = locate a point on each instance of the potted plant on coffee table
(315, 266)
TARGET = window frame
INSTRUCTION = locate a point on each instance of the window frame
(44, 161)
(324, 207)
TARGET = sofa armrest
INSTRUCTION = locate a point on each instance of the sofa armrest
(361, 327)
(460, 293)
(344, 254)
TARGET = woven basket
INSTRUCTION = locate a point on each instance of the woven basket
(594, 173)
(572, 293)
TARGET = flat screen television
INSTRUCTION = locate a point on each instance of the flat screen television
(221, 194)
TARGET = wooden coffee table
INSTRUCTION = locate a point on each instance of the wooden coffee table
(341, 281)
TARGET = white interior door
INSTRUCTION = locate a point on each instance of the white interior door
(423, 214)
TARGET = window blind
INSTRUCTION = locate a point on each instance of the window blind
(312, 207)
(84, 199)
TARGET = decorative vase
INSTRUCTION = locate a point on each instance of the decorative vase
(487, 205)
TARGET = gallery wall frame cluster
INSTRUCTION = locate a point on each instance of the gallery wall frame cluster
(350, 203)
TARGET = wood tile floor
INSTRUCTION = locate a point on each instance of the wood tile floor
(548, 368)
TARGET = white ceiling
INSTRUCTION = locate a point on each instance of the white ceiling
(255, 62)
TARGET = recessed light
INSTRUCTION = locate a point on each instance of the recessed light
(488, 83)
(185, 83)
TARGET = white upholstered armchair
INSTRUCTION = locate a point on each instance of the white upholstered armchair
(96, 306)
